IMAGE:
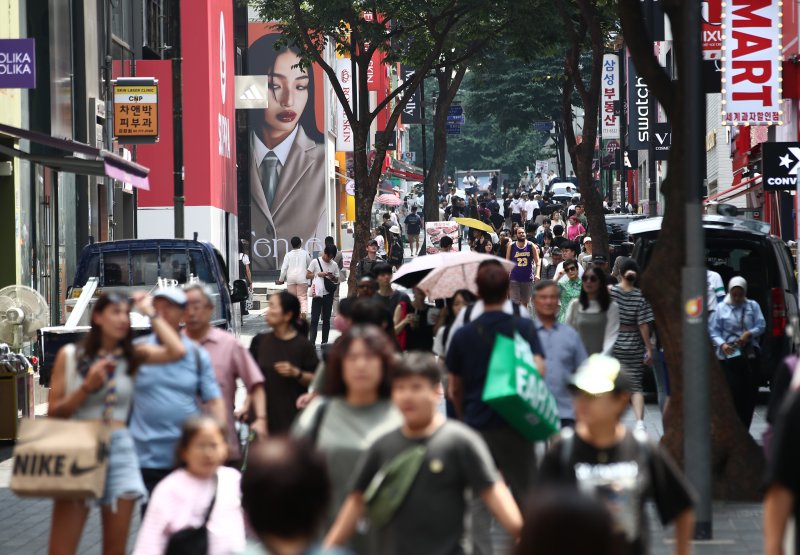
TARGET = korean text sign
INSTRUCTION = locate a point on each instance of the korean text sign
(751, 49)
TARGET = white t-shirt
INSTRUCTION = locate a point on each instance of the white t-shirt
(293, 269)
(530, 206)
(716, 289)
(516, 206)
(331, 267)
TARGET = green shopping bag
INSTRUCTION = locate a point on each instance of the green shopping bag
(516, 391)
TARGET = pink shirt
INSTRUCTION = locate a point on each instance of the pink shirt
(181, 500)
(231, 360)
(574, 230)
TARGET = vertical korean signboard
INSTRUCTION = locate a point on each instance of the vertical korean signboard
(136, 110)
(609, 101)
(751, 49)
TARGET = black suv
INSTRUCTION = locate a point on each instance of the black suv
(736, 247)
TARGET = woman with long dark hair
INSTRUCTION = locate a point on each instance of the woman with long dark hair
(453, 305)
(594, 315)
(355, 408)
(93, 381)
(287, 154)
(287, 359)
(633, 348)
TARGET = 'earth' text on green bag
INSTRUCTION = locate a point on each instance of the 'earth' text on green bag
(516, 390)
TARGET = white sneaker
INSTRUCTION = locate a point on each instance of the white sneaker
(640, 425)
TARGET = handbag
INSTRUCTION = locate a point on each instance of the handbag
(329, 284)
(193, 541)
(516, 391)
(60, 458)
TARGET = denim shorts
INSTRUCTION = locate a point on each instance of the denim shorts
(124, 480)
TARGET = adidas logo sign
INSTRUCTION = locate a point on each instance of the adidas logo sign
(252, 93)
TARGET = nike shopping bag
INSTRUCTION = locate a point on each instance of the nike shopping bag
(62, 459)
(516, 391)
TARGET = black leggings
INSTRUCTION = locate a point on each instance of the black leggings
(741, 373)
(321, 306)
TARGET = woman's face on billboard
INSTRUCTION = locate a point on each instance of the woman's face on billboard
(288, 88)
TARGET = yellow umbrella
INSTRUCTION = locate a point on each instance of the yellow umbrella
(474, 224)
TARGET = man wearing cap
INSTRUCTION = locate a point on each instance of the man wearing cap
(367, 264)
(395, 247)
(621, 468)
(231, 361)
(600, 261)
(586, 257)
(167, 394)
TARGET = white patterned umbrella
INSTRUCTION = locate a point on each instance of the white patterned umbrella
(389, 200)
(457, 271)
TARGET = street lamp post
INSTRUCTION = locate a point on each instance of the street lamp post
(697, 397)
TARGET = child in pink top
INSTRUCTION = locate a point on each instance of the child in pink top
(182, 499)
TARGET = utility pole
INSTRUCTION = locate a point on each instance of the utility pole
(109, 130)
(177, 121)
(697, 391)
(424, 140)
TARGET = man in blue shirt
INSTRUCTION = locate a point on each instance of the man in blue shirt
(167, 394)
(562, 346)
(467, 362)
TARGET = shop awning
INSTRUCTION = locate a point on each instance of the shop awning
(404, 170)
(737, 190)
(79, 158)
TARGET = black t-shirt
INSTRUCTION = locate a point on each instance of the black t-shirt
(282, 392)
(430, 519)
(497, 221)
(413, 224)
(468, 357)
(558, 241)
(784, 466)
(623, 476)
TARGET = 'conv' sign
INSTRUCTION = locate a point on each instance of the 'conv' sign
(751, 54)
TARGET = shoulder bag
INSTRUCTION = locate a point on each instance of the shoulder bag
(193, 541)
(330, 285)
(62, 458)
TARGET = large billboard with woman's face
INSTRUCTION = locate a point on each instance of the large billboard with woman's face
(287, 153)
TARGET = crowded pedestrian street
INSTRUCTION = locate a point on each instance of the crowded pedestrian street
(403, 277)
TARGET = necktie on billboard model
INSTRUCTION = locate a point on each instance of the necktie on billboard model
(269, 176)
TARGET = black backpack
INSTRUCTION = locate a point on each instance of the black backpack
(396, 253)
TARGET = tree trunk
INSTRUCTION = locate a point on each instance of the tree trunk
(447, 91)
(365, 197)
(737, 462)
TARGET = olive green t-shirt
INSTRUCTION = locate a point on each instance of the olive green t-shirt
(430, 519)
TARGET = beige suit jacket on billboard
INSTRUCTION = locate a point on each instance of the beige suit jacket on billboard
(299, 206)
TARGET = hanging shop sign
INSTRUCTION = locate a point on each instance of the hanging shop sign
(17, 64)
(780, 163)
(136, 110)
(344, 132)
(609, 97)
(712, 29)
(751, 62)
